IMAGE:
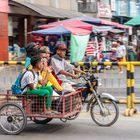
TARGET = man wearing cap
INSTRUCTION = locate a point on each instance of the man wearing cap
(61, 67)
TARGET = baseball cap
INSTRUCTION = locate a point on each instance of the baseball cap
(31, 49)
(38, 38)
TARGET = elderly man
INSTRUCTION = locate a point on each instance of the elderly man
(61, 67)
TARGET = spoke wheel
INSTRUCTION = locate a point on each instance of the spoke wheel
(12, 118)
(108, 116)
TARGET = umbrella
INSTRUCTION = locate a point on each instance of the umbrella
(59, 30)
(69, 23)
(116, 31)
(102, 28)
(76, 27)
(88, 19)
(134, 22)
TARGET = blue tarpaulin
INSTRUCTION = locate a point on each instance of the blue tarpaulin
(89, 19)
(59, 30)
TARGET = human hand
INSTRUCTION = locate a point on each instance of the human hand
(49, 70)
(75, 76)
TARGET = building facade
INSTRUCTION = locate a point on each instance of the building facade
(126, 9)
(95, 8)
(23, 16)
(116, 10)
(3, 29)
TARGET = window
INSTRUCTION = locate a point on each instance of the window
(87, 6)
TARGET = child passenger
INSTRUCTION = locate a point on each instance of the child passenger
(30, 82)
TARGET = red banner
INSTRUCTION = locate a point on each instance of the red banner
(4, 6)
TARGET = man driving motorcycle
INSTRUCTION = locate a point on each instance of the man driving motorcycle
(61, 67)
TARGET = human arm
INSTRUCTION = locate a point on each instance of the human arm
(69, 74)
(62, 67)
(79, 71)
(45, 74)
(31, 86)
(28, 80)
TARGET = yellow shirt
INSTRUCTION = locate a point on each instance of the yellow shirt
(52, 80)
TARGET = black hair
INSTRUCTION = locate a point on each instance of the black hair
(31, 49)
(120, 42)
(35, 60)
(42, 51)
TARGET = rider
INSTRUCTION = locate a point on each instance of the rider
(61, 67)
(30, 81)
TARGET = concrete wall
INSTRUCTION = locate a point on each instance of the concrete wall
(63, 4)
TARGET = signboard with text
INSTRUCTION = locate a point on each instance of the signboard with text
(104, 10)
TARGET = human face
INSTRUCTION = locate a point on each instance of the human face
(39, 65)
(61, 53)
(43, 55)
(48, 56)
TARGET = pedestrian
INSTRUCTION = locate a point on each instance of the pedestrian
(113, 57)
(131, 54)
(120, 54)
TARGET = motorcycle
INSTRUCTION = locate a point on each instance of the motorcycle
(103, 107)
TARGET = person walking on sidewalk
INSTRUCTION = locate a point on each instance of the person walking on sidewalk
(120, 54)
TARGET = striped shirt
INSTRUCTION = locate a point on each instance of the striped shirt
(90, 49)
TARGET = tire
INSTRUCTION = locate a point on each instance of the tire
(42, 121)
(12, 118)
(74, 116)
(109, 112)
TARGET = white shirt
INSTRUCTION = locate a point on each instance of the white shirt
(28, 78)
(120, 52)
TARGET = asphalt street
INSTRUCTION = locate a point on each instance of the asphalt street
(83, 128)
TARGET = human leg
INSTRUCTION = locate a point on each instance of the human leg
(42, 92)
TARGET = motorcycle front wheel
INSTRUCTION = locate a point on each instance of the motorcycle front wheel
(106, 114)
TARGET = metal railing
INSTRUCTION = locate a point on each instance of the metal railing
(124, 87)
(131, 98)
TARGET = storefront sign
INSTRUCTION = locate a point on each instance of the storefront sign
(104, 10)
(4, 6)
